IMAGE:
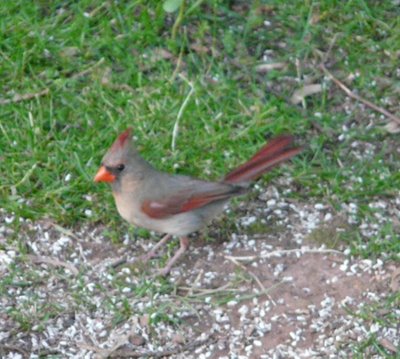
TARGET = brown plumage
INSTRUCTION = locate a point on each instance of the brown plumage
(174, 204)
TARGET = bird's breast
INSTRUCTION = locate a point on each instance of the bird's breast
(180, 224)
(126, 206)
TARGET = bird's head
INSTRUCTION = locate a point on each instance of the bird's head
(116, 160)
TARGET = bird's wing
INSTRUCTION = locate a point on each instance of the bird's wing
(196, 194)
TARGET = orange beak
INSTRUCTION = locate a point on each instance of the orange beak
(103, 175)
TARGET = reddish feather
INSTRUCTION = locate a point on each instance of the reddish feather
(276, 151)
(262, 165)
(274, 146)
(122, 139)
(196, 202)
(268, 156)
(182, 203)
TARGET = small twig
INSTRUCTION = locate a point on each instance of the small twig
(280, 253)
(88, 70)
(196, 281)
(63, 230)
(259, 294)
(180, 113)
(54, 262)
(120, 342)
(263, 68)
(257, 280)
(119, 87)
(300, 77)
(356, 97)
(263, 289)
(82, 253)
(14, 348)
(146, 354)
(328, 52)
(118, 262)
(202, 292)
(168, 352)
(25, 97)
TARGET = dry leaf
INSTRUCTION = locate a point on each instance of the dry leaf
(395, 281)
(388, 345)
(161, 54)
(265, 9)
(106, 76)
(136, 340)
(300, 94)
(262, 68)
(315, 17)
(178, 339)
(200, 49)
(144, 320)
(69, 52)
(392, 127)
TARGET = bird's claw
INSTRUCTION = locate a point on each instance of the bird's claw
(159, 273)
(144, 258)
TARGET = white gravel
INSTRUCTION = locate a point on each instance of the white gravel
(304, 312)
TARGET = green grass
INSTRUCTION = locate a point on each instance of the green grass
(51, 146)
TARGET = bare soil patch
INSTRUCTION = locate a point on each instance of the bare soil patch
(264, 295)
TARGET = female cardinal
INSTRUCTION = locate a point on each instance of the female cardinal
(173, 204)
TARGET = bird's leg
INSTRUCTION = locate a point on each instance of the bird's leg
(182, 249)
(153, 251)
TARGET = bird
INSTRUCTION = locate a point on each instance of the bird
(178, 205)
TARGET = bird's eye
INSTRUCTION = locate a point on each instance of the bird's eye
(120, 167)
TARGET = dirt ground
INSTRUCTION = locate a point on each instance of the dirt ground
(278, 292)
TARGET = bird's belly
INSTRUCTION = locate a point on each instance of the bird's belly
(179, 224)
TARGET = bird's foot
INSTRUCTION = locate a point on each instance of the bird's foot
(164, 272)
(184, 241)
(157, 273)
(153, 252)
(146, 257)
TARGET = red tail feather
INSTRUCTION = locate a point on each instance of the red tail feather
(273, 153)
(274, 146)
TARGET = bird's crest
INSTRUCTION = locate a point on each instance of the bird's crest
(123, 140)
